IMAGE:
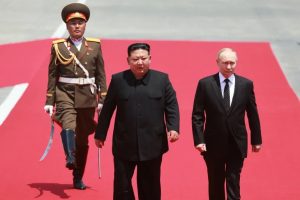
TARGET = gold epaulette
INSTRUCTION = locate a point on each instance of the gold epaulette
(58, 41)
(93, 40)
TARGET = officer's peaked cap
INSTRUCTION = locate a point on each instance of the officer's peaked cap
(75, 10)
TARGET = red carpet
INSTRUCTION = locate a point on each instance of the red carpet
(272, 174)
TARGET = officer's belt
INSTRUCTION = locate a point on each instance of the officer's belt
(78, 81)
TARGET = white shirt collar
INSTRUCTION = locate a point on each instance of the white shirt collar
(77, 42)
(230, 78)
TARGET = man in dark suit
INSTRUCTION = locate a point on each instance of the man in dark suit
(219, 130)
(146, 109)
(76, 86)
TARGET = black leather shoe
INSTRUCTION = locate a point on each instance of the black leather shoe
(78, 184)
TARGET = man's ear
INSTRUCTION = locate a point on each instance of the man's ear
(127, 60)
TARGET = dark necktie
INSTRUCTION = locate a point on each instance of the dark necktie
(226, 95)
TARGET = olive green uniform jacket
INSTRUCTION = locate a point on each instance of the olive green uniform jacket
(69, 95)
(90, 56)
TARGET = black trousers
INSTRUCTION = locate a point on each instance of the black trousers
(226, 168)
(148, 179)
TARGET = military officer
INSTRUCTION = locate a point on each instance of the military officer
(76, 86)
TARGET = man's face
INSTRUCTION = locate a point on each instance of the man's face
(227, 63)
(76, 28)
(139, 62)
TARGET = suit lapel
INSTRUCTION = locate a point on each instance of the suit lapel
(72, 47)
(217, 90)
(236, 92)
(83, 49)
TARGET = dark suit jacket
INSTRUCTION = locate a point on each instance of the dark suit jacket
(145, 109)
(212, 124)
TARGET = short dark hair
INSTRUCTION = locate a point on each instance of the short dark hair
(136, 46)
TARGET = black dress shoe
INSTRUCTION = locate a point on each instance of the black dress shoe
(78, 184)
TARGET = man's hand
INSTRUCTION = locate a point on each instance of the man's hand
(49, 109)
(256, 148)
(99, 143)
(173, 136)
(201, 147)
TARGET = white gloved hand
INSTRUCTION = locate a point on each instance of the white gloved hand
(49, 109)
(99, 107)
